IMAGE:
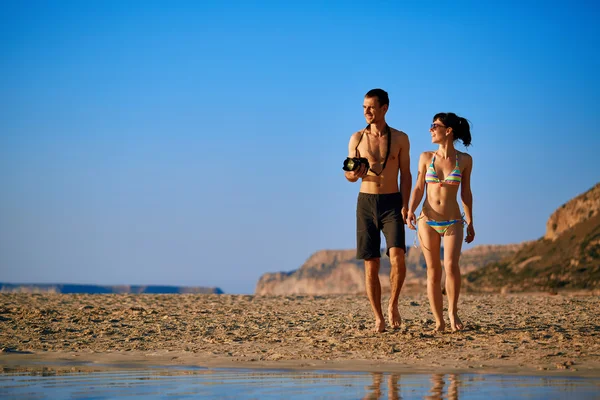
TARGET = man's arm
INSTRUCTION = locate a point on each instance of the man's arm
(353, 176)
(405, 175)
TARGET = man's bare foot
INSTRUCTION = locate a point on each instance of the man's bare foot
(394, 316)
(379, 325)
(455, 323)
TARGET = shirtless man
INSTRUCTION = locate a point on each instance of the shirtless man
(381, 205)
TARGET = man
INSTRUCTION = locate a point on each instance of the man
(382, 205)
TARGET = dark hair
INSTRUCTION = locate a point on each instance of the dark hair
(381, 95)
(460, 126)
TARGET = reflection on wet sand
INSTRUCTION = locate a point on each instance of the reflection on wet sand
(375, 392)
(437, 387)
(241, 384)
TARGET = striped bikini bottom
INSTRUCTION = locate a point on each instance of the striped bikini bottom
(440, 226)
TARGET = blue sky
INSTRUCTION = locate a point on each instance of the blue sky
(183, 143)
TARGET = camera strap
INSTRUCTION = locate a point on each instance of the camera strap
(389, 145)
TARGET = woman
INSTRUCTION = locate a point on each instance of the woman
(441, 173)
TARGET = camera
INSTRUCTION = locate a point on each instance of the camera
(354, 163)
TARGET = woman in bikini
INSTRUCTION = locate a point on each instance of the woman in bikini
(442, 173)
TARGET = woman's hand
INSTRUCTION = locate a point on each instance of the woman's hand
(411, 220)
(470, 233)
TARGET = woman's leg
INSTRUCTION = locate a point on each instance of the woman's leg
(430, 243)
(453, 239)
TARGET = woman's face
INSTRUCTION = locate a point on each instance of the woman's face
(438, 132)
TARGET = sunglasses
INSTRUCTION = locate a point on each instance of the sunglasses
(435, 126)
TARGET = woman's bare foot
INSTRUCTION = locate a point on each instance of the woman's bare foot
(394, 316)
(439, 328)
(379, 326)
(455, 323)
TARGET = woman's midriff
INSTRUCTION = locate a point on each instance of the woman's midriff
(441, 204)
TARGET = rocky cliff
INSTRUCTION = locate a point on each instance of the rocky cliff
(576, 211)
(338, 271)
(481, 255)
(567, 257)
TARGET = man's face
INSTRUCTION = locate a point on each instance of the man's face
(373, 111)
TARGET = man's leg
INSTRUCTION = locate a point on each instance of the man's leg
(393, 230)
(397, 275)
(373, 287)
(368, 241)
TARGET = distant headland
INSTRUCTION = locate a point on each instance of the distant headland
(104, 289)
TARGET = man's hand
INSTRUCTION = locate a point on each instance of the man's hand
(404, 215)
(411, 220)
(470, 233)
(355, 175)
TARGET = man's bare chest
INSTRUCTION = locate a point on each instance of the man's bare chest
(376, 148)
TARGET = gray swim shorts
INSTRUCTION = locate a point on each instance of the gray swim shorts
(376, 213)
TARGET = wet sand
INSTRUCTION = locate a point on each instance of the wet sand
(535, 334)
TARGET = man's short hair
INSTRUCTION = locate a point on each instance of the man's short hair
(381, 95)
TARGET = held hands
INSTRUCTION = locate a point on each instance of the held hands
(470, 233)
(410, 219)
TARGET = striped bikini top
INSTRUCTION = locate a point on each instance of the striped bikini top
(453, 177)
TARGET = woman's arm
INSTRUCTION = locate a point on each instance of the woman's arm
(467, 197)
(418, 191)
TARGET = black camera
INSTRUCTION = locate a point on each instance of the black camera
(354, 163)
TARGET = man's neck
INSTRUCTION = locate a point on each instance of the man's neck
(378, 128)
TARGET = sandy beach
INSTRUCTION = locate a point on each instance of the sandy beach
(539, 334)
